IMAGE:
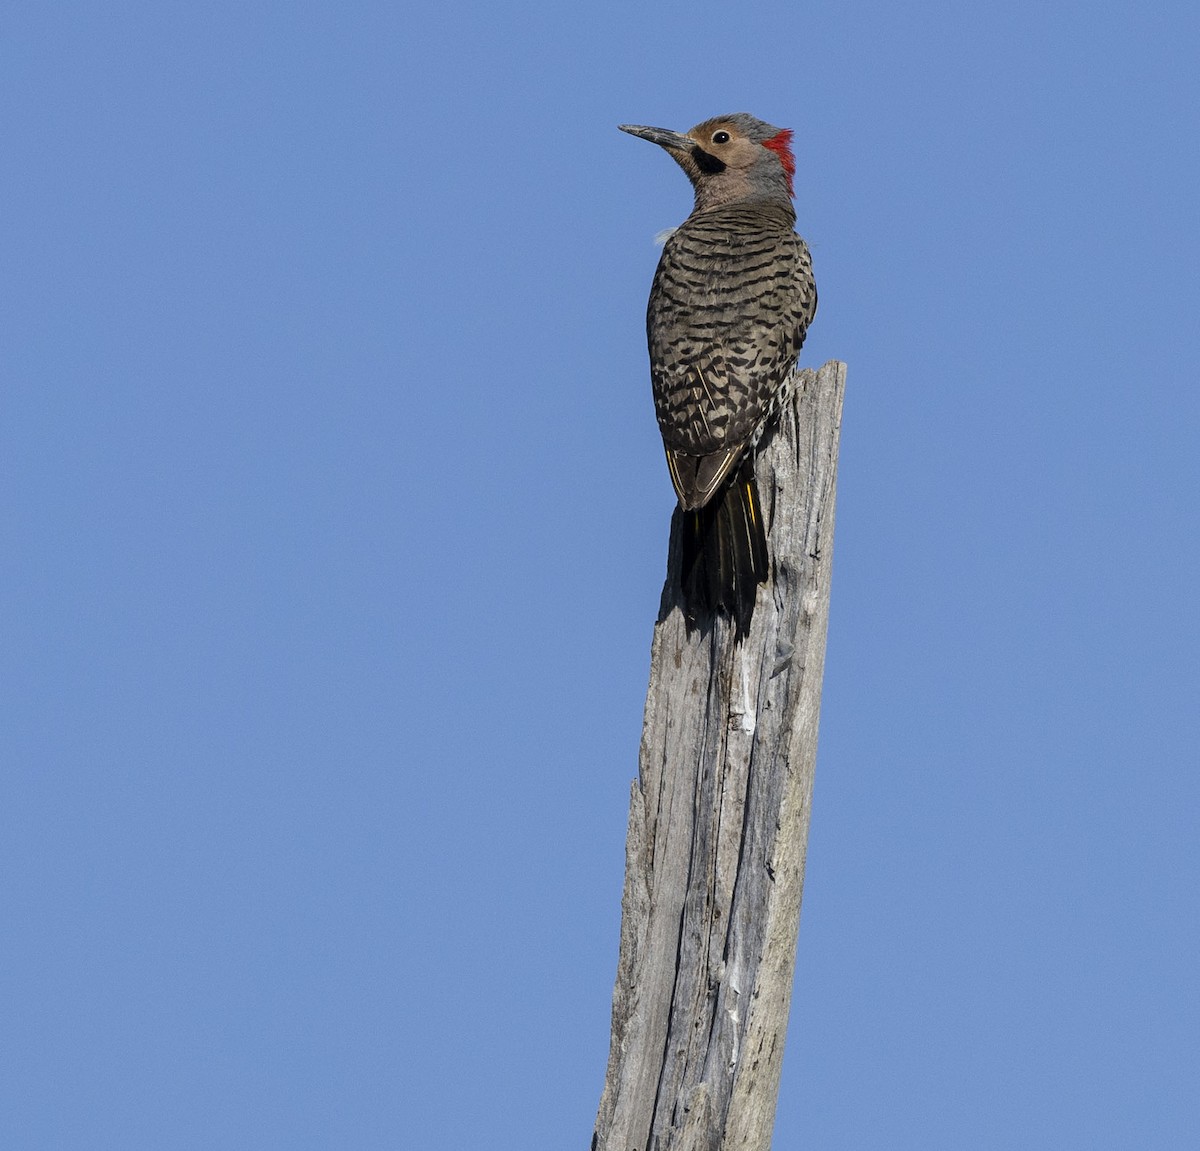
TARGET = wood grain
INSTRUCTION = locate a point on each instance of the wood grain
(718, 824)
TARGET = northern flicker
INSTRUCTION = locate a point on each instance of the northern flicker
(731, 300)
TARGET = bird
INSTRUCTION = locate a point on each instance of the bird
(731, 301)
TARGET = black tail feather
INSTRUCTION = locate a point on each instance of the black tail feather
(724, 553)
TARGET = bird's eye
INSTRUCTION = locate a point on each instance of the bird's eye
(721, 137)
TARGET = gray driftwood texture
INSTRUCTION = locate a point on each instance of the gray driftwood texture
(718, 825)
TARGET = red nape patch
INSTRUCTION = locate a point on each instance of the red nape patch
(781, 145)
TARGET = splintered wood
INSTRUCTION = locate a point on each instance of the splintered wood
(718, 825)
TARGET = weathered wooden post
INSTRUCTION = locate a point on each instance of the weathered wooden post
(718, 825)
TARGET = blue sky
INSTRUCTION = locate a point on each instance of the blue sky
(335, 522)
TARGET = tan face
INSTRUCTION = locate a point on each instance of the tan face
(721, 139)
(723, 162)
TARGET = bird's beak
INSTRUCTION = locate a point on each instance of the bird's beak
(663, 137)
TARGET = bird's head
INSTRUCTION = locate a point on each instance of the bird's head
(729, 158)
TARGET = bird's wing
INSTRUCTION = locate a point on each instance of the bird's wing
(697, 478)
(725, 324)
